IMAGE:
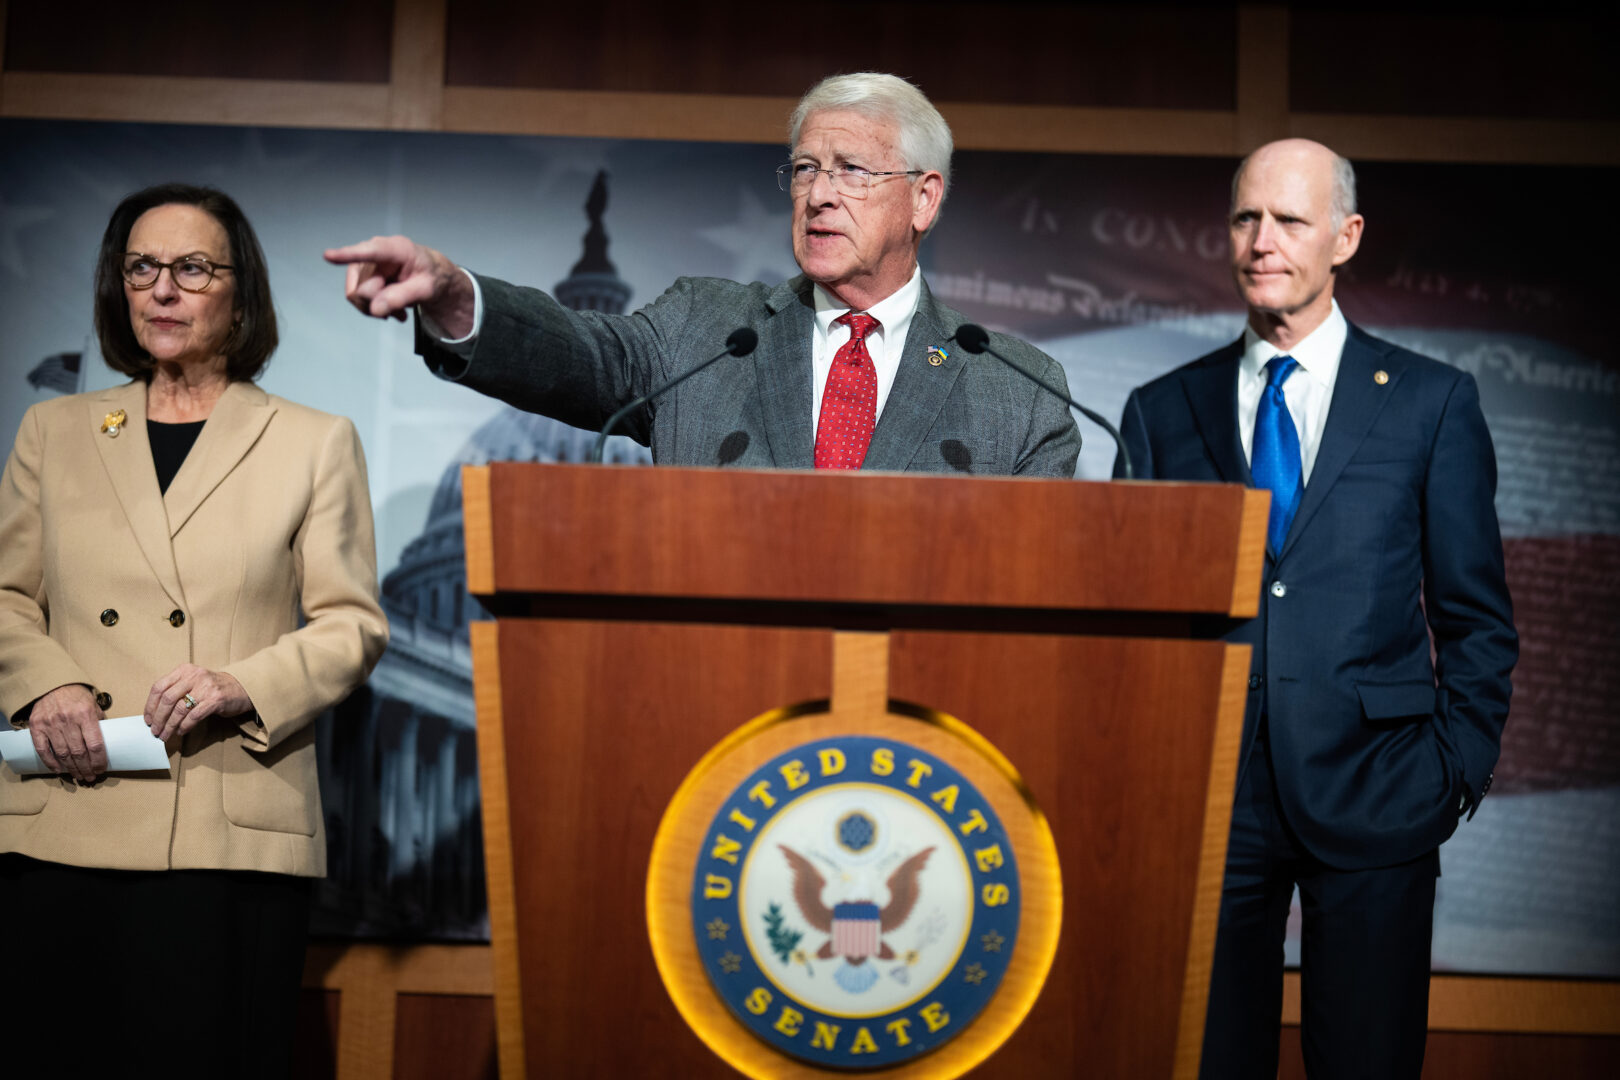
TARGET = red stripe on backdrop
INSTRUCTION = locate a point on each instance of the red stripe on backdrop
(1563, 728)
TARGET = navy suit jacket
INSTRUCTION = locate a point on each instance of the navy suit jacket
(1374, 743)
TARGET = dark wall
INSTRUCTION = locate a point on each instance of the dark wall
(1476, 60)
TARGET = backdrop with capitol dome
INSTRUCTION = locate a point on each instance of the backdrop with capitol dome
(1113, 264)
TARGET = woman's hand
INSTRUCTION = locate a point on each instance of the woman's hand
(189, 695)
(65, 725)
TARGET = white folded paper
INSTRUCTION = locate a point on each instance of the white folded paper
(131, 747)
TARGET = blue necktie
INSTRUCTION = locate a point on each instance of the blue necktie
(1275, 462)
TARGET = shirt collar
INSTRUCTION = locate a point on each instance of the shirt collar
(1318, 352)
(891, 312)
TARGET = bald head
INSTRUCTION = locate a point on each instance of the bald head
(1292, 225)
(1312, 159)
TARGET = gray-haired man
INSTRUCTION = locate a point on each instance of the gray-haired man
(855, 367)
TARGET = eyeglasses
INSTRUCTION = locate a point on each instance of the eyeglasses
(192, 273)
(851, 181)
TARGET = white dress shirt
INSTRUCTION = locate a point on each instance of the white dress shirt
(463, 345)
(1308, 391)
(886, 343)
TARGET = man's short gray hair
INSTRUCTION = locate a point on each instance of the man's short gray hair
(1344, 190)
(925, 137)
(1344, 187)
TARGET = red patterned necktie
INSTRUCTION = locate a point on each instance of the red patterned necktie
(849, 403)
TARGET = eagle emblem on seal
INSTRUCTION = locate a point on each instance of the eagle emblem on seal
(855, 925)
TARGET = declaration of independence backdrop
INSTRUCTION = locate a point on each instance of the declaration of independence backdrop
(1115, 265)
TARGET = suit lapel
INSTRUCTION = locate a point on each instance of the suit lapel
(782, 373)
(920, 389)
(1357, 401)
(233, 427)
(128, 461)
(1211, 390)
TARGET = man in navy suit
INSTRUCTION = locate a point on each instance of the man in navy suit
(1359, 752)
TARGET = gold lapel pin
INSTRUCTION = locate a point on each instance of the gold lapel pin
(1380, 377)
(937, 356)
(113, 423)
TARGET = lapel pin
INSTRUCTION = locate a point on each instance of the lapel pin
(1380, 377)
(937, 356)
(113, 423)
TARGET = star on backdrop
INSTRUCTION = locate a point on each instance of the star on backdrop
(758, 238)
(13, 220)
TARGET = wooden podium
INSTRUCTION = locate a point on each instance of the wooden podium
(644, 615)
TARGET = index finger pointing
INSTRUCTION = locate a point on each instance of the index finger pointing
(365, 251)
(375, 250)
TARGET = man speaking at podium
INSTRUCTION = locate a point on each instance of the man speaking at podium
(1359, 753)
(855, 365)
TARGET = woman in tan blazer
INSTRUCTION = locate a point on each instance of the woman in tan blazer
(195, 550)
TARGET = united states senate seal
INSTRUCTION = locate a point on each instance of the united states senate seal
(856, 902)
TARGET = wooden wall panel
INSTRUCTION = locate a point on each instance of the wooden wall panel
(1455, 1055)
(349, 1017)
(1524, 63)
(176, 100)
(1030, 75)
(289, 39)
(1014, 52)
(444, 1024)
(444, 1037)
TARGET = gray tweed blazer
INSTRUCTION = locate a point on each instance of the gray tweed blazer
(968, 414)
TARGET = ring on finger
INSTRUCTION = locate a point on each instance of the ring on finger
(189, 701)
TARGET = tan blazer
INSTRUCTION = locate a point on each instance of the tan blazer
(106, 582)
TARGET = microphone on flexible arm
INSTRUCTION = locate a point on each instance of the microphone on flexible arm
(974, 339)
(740, 343)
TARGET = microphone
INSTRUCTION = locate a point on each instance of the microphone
(740, 343)
(974, 339)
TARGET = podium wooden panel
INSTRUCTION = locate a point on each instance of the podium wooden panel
(645, 614)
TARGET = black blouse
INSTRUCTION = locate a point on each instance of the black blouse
(170, 445)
